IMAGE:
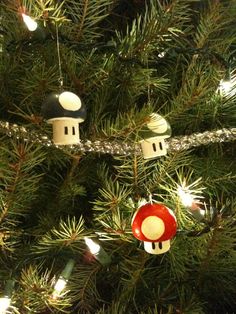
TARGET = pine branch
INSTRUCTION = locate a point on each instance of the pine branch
(87, 16)
(85, 295)
(212, 22)
(149, 31)
(36, 292)
(80, 27)
(18, 177)
(132, 277)
(67, 235)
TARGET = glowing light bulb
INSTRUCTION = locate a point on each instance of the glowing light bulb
(59, 287)
(191, 200)
(185, 196)
(4, 304)
(29, 22)
(62, 280)
(93, 247)
(226, 86)
(98, 252)
(161, 54)
(189, 195)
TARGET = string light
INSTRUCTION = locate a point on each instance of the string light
(5, 301)
(4, 304)
(29, 22)
(63, 279)
(97, 251)
(189, 196)
(227, 84)
(161, 54)
(187, 199)
(93, 247)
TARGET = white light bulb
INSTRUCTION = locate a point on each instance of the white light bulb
(59, 287)
(4, 304)
(29, 22)
(161, 54)
(226, 86)
(186, 198)
(93, 247)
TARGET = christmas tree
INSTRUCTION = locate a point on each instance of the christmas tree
(109, 107)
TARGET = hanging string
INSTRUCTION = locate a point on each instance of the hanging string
(149, 86)
(149, 194)
(59, 59)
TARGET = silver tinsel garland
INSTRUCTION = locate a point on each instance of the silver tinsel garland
(178, 143)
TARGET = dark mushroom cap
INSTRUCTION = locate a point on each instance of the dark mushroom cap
(63, 105)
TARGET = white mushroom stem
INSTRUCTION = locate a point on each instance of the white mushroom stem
(65, 131)
(157, 247)
(153, 147)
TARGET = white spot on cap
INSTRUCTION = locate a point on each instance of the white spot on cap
(153, 227)
(157, 123)
(69, 101)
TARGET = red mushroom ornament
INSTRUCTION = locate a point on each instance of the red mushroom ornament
(155, 224)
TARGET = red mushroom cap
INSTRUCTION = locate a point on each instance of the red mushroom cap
(154, 223)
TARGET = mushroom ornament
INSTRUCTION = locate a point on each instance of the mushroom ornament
(155, 224)
(153, 137)
(65, 111)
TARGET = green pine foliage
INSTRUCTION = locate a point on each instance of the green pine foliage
(125, 59)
